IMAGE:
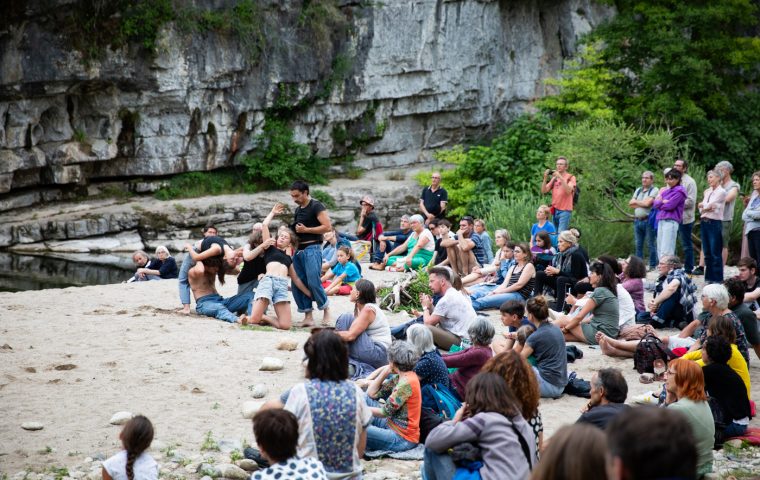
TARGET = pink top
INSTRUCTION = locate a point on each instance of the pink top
(468, 363)
(561, 200)
(713, 203)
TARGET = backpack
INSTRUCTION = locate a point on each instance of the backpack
(440, 400)
(649, 349)
(576, 194)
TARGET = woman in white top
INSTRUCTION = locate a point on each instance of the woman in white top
(711, 227)
(133, 463)
(419, 248)
(366, 331)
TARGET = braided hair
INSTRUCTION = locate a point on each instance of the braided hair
(136, 437)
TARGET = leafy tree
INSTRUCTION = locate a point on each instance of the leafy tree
(583, 88)
(683, 61)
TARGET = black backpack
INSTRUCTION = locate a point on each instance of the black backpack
(649, 349)
(576, 194)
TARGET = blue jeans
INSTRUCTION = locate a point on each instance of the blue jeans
(308, 266)
(642, 231)
(484, 301)
(379, 438)
(670, 312)
(437, 466)
(733, 429)
(214, 305)
(562, 219)
(547, 389)
(362, 349)
(684, 231)
(184, 284)
(667, 234)
(711, 232)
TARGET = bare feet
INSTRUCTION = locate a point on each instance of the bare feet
(243, 319)
(326, 317)
(185, 310)
(377, 266)
(308, 320)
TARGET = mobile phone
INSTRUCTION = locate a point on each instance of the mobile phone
(568, 289)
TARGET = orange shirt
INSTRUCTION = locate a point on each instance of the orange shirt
(561, 200)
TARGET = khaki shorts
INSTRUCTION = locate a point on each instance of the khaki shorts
(726, 232)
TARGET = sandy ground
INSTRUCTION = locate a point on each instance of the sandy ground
(71, 358)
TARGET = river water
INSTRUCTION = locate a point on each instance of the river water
(37, 272)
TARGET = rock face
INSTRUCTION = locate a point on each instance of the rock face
(400, 78)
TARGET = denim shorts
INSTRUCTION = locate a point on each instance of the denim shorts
(274, 289)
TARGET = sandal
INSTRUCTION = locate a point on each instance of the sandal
(646, 378)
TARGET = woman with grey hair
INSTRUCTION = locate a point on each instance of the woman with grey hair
(715, 298)
(469, 361)
(567, 268)
(419, 248)
(396, 424)
(711, 221)
(161, 267)
(430, 368)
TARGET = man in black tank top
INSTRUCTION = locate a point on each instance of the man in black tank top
(310, 222)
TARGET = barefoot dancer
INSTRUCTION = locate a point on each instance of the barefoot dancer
(310, 222)
(208, 301)
(273, 288)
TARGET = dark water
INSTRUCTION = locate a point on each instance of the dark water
(32, 272)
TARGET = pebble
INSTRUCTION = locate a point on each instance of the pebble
(192, 468)
(248, 465)
(271, 364)
(287, 344)
(207, 469)
(120, 418)
(250, 408)
(227, 470)
(206, 477)
(227, 445)
(259, 390)
(32, 426)
(88, 460)
(77, 475)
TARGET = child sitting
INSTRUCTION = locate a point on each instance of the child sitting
(276, 432)
(522, 336)
(343, 275)
(543, 252)
(133, 463)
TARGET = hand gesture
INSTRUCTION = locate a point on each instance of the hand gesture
(425, 300)
(300, 228)
(278, 208)
(268, 243)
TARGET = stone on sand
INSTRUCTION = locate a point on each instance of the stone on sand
(271, 364)
(32, 426)
(120, 418)
(250, 408)
(287, 344)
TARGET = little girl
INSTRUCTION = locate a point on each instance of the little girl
(344, 274)
(543, 252)
(133, 463)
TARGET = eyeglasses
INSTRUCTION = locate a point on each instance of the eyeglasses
(435, 177)
(668, 372)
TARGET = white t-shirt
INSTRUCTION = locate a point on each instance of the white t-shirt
(456, 313)
(430, 245)
(144, 468)
(293, 468)
(379, 330)
(625, 306)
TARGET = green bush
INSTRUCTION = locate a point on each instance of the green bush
(200, 184)
(279, 160)
(324, 197)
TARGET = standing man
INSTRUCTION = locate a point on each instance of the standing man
(465, 252)
(310, 221)
(687, 222)
(641, 202)
(562, 185)
(433, 199)
(732, 192)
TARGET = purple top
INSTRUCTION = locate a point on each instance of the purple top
(673, 208)
(468, 363)
(635, 286)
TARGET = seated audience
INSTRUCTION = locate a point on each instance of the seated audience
(725, 386)
(715, 300)
(480, 229)
(489, 276)
(366, 331)
(517, 285)
(330, 244)
(634, 274)
(451, 317)
(568, 267)
(369, 228)
(430, 368)
(340, 279)
(469, 361)
(419, 248)
(466, 251)
(543, 225)
(331, 411)
(736, 292)
(167, 267)
(674, 298)
(396, 423)
(547, 345)
(627, 313)
(748, 274)
(492, 420)
(574, 452)
(513, 317)
(543, 252)
(144, 264)
(134, 462)
(648, 442)
(608, 393)
(602, 303)
(441, 229)
(276, 432)
(685, 389)
(392, 239)
(522, 382)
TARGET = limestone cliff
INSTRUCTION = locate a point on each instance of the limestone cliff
(401, 78)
